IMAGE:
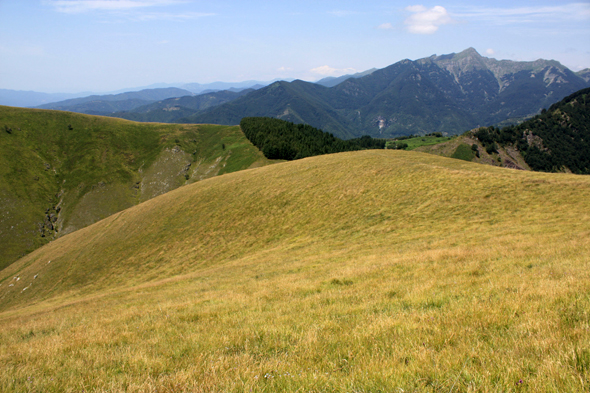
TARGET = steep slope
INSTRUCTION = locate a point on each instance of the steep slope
(298, 102)
(401, 101)
(448, 93)
(365, 271)
(109, 103)
(556, 140)
(332, 81)
(61, 171)
(584, 74)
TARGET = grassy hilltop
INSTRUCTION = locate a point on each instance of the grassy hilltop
(376, 270)
(61, 171)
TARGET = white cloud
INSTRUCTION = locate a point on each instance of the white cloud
(80, 6)
(385, 26)
(416, 8)
(329, 71)
(502, 16)
(490, 52)
(284, 69)
(426, 21)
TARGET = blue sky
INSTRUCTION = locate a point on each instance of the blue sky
(105, 45)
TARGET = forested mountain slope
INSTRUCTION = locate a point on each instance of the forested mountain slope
(448, 93)
(173, 110)
(556, 140)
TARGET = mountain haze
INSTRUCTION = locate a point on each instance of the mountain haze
(109, 103)
(33, 98)
(449, 93)
(297, 101)
(200, 88)
(332, 81)
(173, 110)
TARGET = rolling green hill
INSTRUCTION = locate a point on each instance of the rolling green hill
(377, 270)
(61, 171)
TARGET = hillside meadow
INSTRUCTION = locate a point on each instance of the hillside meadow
(369, 271)
(62, 171)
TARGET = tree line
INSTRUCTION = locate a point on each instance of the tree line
(556, 139)
(283, 140)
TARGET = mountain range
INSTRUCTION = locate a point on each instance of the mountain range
(332, 81)
(449, 93)
(23, 98)
(172, 110)
(127, 264)
(104, 104)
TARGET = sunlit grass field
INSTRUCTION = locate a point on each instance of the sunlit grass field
(419, 141)
(372, 271)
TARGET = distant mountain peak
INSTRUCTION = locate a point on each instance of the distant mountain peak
(470, 50)
(447, 93)
(457, 64)
(584, 74)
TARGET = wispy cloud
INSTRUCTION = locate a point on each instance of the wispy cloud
(147, 16)
(503, 16)
(80, 6)
(385, 26)
(426, 20)
(341, 13)
(330, 71)
(137, 10)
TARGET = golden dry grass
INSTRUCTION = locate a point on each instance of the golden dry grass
(356, 272)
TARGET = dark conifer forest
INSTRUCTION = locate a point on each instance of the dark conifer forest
(283, 140)
(555, 140)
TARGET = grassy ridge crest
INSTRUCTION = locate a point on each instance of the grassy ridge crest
(403, 271)
(61, 171)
